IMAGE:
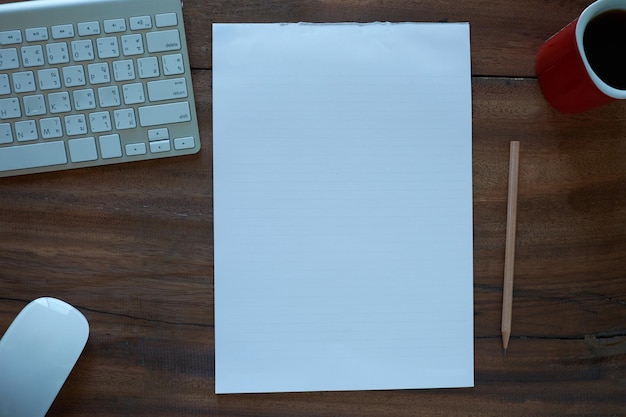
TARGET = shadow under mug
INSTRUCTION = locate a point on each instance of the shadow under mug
(571, 66)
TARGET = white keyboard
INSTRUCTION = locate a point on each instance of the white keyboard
(93, 82)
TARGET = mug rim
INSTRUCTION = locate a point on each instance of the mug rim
(593, 10)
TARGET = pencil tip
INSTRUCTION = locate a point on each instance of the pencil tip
(505, 352)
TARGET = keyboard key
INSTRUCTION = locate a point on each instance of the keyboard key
(51, 128)
(74, 76)
(173, 64)
(34, 105)
(148, 67)
(110, 146)
(158, 134)
(83, 149)
(10, 37)
(88, 28)
(100, 122)
(5, 86)
(37, 34)
(167, 89)
(163, 114)
(75, 125)
(32, 155)
(24, 82)
(26, 130)
(140, 23)
(57, 53)
(62, 31)
(109, 96)
(165, 20)
(84, 99)
(133, 93)
(82, 50)
(132, 45)
(10, 108)
(114, 26)
(99, 73)
(162, 41)
(125, 119)
(9, 59)
(184, 143)
(49, 79)
(59, 102)
(6, 134)
(107, 47)
(160, 146)
(133, 149)
(32, 56)
(124, 70)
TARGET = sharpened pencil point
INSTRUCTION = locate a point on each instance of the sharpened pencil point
(506, 335)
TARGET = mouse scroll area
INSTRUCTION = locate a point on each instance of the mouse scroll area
(37, 353)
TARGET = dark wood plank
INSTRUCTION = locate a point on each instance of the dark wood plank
(505, 34)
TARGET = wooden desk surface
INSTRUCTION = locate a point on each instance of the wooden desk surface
(131, 245)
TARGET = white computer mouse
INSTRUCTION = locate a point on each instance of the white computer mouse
(37, 353)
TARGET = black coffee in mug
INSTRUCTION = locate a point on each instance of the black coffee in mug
(604, 43)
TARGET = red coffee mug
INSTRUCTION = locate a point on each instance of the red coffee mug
(567, 80)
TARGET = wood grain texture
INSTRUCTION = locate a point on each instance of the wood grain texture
(131, 246)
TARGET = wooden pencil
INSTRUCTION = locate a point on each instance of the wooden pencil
(509, 256)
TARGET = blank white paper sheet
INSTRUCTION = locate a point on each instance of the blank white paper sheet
(343, 207)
